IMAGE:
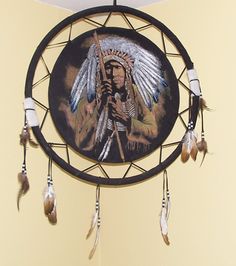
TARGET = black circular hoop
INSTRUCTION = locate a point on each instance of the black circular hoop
(193, 109)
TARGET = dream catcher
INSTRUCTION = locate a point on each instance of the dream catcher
(122, 101)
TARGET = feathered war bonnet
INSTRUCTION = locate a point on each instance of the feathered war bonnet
(142, 65)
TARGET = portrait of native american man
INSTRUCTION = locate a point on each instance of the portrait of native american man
(115, 105)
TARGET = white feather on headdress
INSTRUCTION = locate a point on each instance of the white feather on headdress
(138, 62)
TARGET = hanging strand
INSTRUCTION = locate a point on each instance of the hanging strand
(24, 139)
(202, 144)
(22, 176)
(50, 197)
(165, 209)
(96, 222)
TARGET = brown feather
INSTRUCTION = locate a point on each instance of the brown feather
(95, 243)
(52, 217)
(48, 204)
(23, 180)
(202, 147)
(166, 239)
(92, 253)
(24, 136)
(203, 105)
(184, 153)
(89, 232)
(194, 150)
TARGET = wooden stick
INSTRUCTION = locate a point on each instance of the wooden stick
(104, 77)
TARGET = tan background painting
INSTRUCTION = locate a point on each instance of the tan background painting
(202, 221)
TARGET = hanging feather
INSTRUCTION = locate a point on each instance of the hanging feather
(165, 209)
(202, 147)
(189, 145)
(203, 105)
(163, 223)
(24, 182)
(95, 243)
(49, 197)
(52, 216)
(25, 137)
(96, 221)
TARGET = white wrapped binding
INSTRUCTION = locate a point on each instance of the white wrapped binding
(194, 82)
(30, 112)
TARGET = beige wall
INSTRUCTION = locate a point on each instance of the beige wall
(202, 221)
(26, 237)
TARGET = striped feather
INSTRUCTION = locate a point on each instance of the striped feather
(78, 86)
(93, 223)
(148, 86)
(143, 92)
(189, 146)
(164, 224)
(95, 243)
(91, 79)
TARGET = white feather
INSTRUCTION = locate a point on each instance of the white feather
(95, 243)
(107, 148)
(93, 223)
(163, 221)
(102, 125)
(103, 155)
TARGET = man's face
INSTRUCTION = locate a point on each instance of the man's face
(116, 73)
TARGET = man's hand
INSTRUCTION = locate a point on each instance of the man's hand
(118, 113)
(106, 91)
